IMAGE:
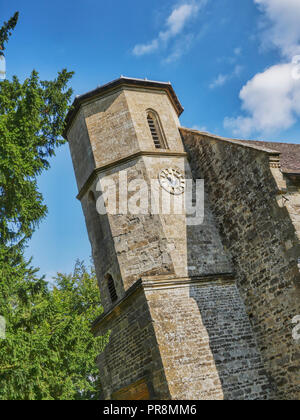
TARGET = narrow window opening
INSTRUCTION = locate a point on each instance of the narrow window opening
(156, 131)
(112, 288)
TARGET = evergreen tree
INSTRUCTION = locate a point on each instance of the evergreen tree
(49, 350)
(6, 30)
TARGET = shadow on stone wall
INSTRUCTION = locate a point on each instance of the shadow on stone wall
(262, 241)
(234, 355)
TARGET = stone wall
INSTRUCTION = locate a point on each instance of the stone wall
(291, 200)
(206, 341)
(139, 101)
(114, 126)
(132, 354)
(263, 243)
(181, 340)
(81, 150)
(128, 246)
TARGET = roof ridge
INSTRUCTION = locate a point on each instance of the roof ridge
(239, 142)
(273, 142)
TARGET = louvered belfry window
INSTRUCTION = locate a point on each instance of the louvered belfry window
(112, 288)
(156, 131)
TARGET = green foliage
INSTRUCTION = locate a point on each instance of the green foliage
(6, 30)
(49, 352)
(32, 117)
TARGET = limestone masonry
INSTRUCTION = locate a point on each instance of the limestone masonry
(200, 311)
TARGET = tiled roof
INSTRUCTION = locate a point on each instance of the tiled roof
(290, 154)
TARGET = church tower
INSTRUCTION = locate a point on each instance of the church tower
(178, 327)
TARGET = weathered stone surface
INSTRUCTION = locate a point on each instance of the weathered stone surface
(207, 344)
(132, 353)
(261, 236)
(203, 312)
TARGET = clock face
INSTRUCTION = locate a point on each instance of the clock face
(172, 180)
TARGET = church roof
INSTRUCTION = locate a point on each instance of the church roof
(289, 154)
(122, 81)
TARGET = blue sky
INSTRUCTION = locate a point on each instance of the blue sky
(230, 62)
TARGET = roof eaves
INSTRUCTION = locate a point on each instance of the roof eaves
(122, 81)
(236, 142)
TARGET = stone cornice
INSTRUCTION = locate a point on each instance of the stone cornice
(169, 282)
(275, 161)
(235, 142)
(122, 161)
(162, 283)
(117, 84)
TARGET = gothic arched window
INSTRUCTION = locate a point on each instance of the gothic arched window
(111, 288)
(156, 130)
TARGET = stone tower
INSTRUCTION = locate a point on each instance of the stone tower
(178, 327)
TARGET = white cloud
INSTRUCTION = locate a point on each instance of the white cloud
(271, 99)
(282, 27)
(177, 20)
(146, 48)
(224, 78)
(180, 48)
(175, 24)
(219, 81)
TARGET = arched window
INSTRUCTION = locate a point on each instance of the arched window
(111, 288)
(156, 130)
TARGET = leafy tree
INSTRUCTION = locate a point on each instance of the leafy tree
(6, 30)
(32, 117)
(49, 352)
